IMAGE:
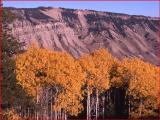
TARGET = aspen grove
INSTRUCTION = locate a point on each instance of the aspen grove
(94, 86)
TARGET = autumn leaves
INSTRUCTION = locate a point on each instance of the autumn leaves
(75, 80)
(142, 87)
(39, 68)
(96, 69)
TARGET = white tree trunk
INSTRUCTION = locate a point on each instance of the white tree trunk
(129, 105)
(107, 96)
(47, 103)
(103, 105)
(65, 116)
(20, 112)
(55, 115)
(37, 100)
(28, 112)
(88, 104)
(58, 115)
(51, 105)
(97, 104)
(140, 111)
(56, 112)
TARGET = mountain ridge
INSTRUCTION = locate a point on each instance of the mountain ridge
(41, 7)
(83, 31)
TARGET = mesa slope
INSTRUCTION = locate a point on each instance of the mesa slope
(82, 31)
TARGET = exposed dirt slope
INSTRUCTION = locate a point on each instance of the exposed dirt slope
(82, 31)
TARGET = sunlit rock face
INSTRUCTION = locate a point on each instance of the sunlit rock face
(82, 31)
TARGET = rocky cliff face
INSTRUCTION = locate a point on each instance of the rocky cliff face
(82, 31)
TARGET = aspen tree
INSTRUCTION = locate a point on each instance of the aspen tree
(39, 67)
(96, 68)
(31, 71)
(68, 77)
(103, 62)
(89, 70)
(143, 87)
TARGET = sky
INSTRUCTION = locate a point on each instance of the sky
(146, 8)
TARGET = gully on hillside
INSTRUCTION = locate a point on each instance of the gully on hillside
(82, 31)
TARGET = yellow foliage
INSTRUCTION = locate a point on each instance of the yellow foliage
(103, 62)
(12, 115)
(39, 67)
(119, 75)
(143, 87)
(144, 80)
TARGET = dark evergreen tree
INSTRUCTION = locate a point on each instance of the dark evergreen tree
(11, 92)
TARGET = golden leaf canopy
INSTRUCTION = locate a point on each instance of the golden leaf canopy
(38, 67)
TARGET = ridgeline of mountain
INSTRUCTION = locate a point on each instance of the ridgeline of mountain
(82, 31)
